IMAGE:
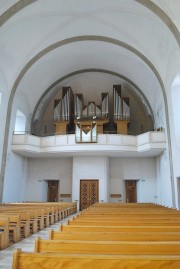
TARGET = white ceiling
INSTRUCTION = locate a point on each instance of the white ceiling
(45, 40)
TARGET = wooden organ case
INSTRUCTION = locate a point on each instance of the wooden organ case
(63, 109)
(89, 120)
(121, 110)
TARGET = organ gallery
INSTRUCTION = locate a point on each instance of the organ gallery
(88, 117)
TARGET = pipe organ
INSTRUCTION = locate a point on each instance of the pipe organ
(121, 110)
(90, 119)
(63, 110)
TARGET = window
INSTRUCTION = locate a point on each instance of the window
(20, 124)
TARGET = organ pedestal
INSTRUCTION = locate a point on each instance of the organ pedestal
(122, 126)
(61, 127)
(100, 123)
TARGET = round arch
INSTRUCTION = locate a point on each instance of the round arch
(73, 40)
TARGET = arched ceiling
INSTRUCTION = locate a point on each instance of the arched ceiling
(44, 40)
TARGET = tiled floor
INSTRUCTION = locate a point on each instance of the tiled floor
(26, 245)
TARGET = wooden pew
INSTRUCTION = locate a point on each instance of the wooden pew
(144, 239)
(116, 236)
(121, 228)
(108, 247)
(4, 232)
(129, 214)
(147, 217)
(28, 218)
(25, 260)
(134, 222)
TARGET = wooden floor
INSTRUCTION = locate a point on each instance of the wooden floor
(27, 244)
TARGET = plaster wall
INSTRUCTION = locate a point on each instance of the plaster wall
(91, 167)
(15, 179)
(15, 184)
(141, 169)
(42, 170)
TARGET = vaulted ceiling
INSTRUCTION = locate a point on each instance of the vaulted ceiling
(42, 41)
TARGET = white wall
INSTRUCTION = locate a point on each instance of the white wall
(142, 169)
(164, 180)
(173, 98)
(91, 167)
(3, 112)
(15, 179)
(41, 170)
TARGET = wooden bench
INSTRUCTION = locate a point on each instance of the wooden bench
(108, 247)
(134, 222)
(28, 218)
(25, 260)
(116, 236)
(121, 228)
(4, 232)
(135, 217)
(129, 214)
(146, 242)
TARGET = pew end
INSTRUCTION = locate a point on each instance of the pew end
(15, 258)
(50, 234)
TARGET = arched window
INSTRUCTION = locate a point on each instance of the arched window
(20, 124)
(175, 93)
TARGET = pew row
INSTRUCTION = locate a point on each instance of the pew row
(24, 260)
(25, 219)
(128, 222)
(4, 232)
(115, 236)
(106, 247)
(121, 228)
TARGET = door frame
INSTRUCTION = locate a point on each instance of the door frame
(89, 198)
(57, 192)
(125, 184)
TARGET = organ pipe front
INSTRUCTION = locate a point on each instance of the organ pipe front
(63, 111)
(121, 110)
(89, 120)
(71, 110)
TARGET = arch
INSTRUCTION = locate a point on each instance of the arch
(14, 9)
(86, 71)
(163, 16)
(73, 40)
(147, 3)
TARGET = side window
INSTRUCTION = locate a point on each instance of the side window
(175, 93)
(20, 124)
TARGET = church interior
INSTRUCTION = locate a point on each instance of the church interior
(89, 110)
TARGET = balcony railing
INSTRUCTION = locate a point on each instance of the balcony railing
(146, 142)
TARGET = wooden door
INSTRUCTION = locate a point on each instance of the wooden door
(131, 191)
(53, 190)
(89, 193)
